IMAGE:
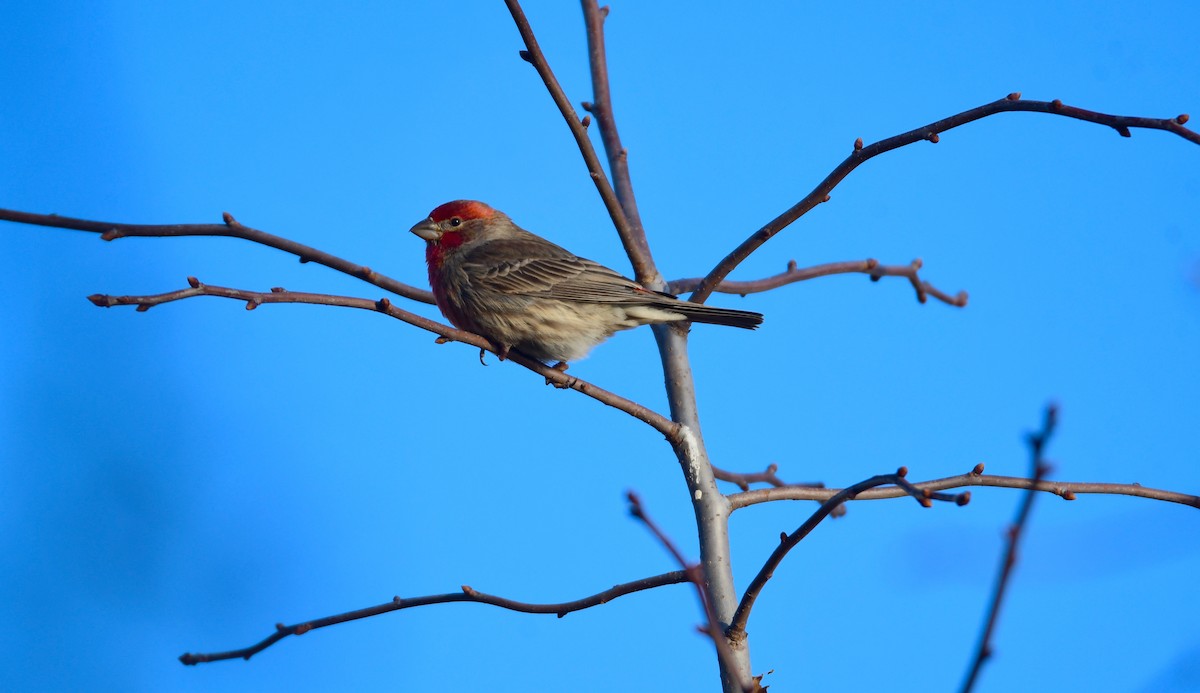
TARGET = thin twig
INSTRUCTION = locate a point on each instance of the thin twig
(767, 476)
(870, 267)
(1039, 468)
(744, 479)
(635, 243)
(1066, 490)
(231, 228)
(737, 626)
(636, 509)
(929, 133)
(254, 299)
(468, 594)
(696, 575)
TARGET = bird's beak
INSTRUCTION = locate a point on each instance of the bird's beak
(427, 229)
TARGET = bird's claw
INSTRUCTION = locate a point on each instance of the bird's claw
(561, 367)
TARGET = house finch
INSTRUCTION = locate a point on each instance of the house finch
(492, 277)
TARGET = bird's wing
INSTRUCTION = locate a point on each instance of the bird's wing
(537, 268)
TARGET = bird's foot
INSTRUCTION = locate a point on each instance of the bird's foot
(561, 367)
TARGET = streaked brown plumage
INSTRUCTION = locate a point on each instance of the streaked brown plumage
(491, 277)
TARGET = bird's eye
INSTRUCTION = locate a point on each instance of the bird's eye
(455, 221)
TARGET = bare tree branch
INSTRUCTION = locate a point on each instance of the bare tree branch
(633, 240)
(254, 299)
(468, 594)
(231, 228)
(737, 626)
(696, 576)
(1039, 468)
(709, 505)
(820, 194)
(1064, 489)
(618, 157)
(870, 267)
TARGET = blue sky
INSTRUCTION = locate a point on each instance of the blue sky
(183, 479)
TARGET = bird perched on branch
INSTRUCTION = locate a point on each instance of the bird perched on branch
(493, 278)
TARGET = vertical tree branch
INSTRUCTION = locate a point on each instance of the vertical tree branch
(642, 266)
(618, 157)
(711, 508)
(709, 505)
(1037, 445)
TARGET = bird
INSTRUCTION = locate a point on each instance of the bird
(521, 291)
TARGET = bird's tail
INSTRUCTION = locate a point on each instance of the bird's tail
(699, 312)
